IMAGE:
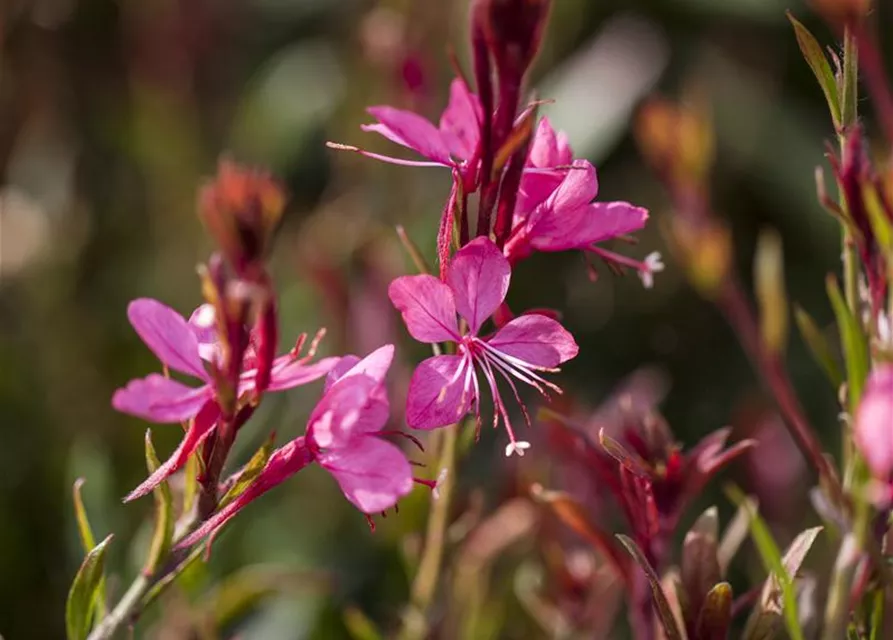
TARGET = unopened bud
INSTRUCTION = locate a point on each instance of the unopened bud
(705, 248)
(874, 422)
(676, 140)
(514, 30)
(241, 208)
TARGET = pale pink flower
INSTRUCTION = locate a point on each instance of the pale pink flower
(445, 388)
(189, 348)
(874, 422)
(343, 436)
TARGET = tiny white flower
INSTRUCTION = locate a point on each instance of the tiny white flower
(519, 446)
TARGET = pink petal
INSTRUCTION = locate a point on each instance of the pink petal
(436, 396)
(375, 365)
(549, 149)
(560, 230)
(460, 122)
(479, 277)
(579, 187)
(201, 428)
(284, 463)
(168, 335)
(344, 365)
(535, 339)
(289, 372)
(427, 307)
(536, 186)
(372, 473)
(352, 406)
(410, 130)
(874, 422)
(159, 399)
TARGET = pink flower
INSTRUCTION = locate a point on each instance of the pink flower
(343, 436)
(445, 388)
(188, 348)
(568, 219)
(874, 422)
(453, 143)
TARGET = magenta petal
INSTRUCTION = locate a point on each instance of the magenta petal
(536, 186)
(460, 122)
(352, 406)
(289, 372)
(479, 277)
(536, 339)
(168, 335)
(284, 463)
(437, 396)
(549, 149)
(372, 473)
(874, 422)
(159, 399)
(410, 130)
(578, 229)
(200, 429)
(375, 365)
(579, 187)
(345, 364)
(427, 306)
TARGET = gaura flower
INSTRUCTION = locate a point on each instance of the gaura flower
(445, 388)
(343, 437)
(556, 212)
(189, 348)
(452, 143)
(874, 422)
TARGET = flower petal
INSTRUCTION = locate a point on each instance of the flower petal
(437, 395)
(535, 339)
(352, 406)
(168, 335)
(549, 149)
(560, 230)
(410, 130)
(159, 399)
(200, 428)
(284, 463)
(874, 422)
(427, 307)
(460, 123)
(372, 473)
(344, 365)
(289, 372)
(479, 277)
(375, 365)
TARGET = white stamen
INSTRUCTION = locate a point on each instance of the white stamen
(519, 446)
(653, 264)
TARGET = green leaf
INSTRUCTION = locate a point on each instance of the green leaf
(881, 225)
(661, 604)
(250, 471)
(818, 346)
(855, 345)
(88, 540)
(770, 291)
(815, 57)
(163, 534)
(190, 477)
(82, 595)
(360, 626)
(778, 596)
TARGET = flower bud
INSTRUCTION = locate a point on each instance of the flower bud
(842, 12)
(241, 209)
(874, 422)
(513, 30)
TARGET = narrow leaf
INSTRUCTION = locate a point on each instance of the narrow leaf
(632, 462)
(164, 514)
(881, 225)
(855, 345)
(572, 514)
(191, 486)
(88, 540)
(250, 471)
(360, 626)
(412, 250)
(818, 346)
(82, 595)
(770, 291)
(517, 139)
(815, 57)
(779, 582)
(736, 533)
(661, 604)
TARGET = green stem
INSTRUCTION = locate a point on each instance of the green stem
(125, 611)
(415, 625)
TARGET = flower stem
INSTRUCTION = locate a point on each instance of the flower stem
(415, 626)
(125, 611)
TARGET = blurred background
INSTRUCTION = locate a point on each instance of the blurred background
(112, 112)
